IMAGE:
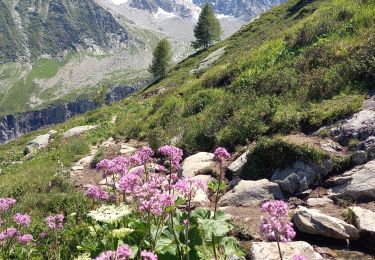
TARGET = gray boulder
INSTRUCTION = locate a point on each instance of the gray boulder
(209, 61)
(251, 193)
(78, 130)
(196, 164)
(359, 157)
(296, 178)
(39, 142)
(237, 166)
(316, 202)
(357, 183)
(364, 220)
(269, 251)
(313, 222)
(360, 126)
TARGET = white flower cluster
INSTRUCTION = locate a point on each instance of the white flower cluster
(110, 213)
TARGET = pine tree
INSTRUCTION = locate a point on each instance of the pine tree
(207, 30)
(161, 61)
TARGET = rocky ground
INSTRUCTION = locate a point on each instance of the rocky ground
(333, 210)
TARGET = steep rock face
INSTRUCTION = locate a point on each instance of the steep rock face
(13, 126)
(245, 9)
(33, 28)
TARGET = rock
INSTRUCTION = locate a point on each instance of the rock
(269, 251)
(197, 163)
(237, 166)
(364, 220)
(250, 193)
(296, 178)
(52, 133)
(209, 60)
(360, 126)
(127, 149)
(359, 157)
(357, 183)
(315, 202)
(312, 221)
(39, 142)
(201, 197)
(78, 130)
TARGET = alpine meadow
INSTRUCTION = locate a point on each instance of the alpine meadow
(187, 129)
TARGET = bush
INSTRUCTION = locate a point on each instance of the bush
(331, 110)
(198, 101)
(271, 154)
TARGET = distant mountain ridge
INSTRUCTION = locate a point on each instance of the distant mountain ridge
(30, 29)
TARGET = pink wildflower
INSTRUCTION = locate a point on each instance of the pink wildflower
(174, 154)
(188, 187)
(108, 255)
(276, 226)
(123, 252)
(149, 255)
(96, 193)
(55, 222)
(6, 204)
(24, 239)
(145, 155)
(23, 220)
(221, 154)
(299, 257)
(42, 234)
(130, 181)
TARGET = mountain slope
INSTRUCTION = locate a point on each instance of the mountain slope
(52, 27)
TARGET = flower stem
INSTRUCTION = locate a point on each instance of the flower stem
(278, 246)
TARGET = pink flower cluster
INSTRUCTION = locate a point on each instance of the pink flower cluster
(173, 154)
(121, 165)
(188, 187)
(149, 255)
(23, 220)
(220, 154)
(152, 195)
(6, 204)
(55, 222)
(122, 253)
(13, 233)
(276, 226)
(96, 193)
(130, 181)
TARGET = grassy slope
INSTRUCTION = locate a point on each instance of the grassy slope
(297, 65)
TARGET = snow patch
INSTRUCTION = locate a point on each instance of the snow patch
(161, 13)
(119, 2)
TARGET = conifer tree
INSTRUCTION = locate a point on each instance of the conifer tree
(207, 30)
(161, 61)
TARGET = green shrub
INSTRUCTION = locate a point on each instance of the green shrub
(271, 154)
(199, 100)
(99, 155)
(331, 110)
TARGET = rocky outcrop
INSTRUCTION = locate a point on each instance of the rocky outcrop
(314, 222)
(76, 131)
(196, 164)
(364, 220)
(269, 251)
(300, 176)
(13, 126)
(251, 193)
(37, 143)
(360, 126)
(237, 166)
(61, 25)
(357, 183)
